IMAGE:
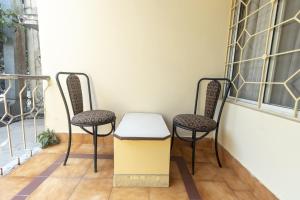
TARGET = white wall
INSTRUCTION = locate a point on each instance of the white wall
(142, 55)
(267, 145)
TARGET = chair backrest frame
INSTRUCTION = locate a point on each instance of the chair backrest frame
(63, 95)
(225, 95)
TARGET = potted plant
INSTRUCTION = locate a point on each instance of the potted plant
(47, 138)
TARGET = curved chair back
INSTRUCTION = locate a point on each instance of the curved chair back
(212, 96)
(75, 92)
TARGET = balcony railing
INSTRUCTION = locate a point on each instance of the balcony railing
(21, 117)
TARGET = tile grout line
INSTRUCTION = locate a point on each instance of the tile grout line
(99, 156)
(110, 193)
(71, 193)
(189, 183)
(31, 187)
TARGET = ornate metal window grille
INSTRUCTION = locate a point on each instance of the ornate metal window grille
(263, 55)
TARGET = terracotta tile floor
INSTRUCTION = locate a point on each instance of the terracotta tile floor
(78, 181)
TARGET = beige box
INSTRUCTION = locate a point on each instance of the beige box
(141, 151)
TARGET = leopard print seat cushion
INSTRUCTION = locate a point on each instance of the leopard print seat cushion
(195, 122)
(93, 118)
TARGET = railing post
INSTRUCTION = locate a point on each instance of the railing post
(5, 115)
(10, 117)
(22, 113)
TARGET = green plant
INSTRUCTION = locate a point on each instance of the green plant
(8, 18)
(47, 138)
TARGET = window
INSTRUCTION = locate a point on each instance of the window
(264, 54)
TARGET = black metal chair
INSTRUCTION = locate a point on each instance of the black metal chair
(203, 123)
(81, 118)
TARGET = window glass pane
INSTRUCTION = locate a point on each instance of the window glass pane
(246, 91)
(255, 47)
(256, 4)
(294, 85)
(285, 67)
(242, 15)
(290, 8)
(259, 21)
(249, 92)
(251, 71)
(289, 38)
(236, 80)
(237, 53)
(243, 39)
(250, 45)
(254, 43)
(280, 97)
(240, 31)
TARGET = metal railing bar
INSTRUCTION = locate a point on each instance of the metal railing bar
(22, 113)
(7, 119)
(20, 76)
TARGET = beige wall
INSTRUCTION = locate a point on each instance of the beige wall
(142, 55)
(267, 145)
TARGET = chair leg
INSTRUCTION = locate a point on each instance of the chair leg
(69, 145)
(216, 147)
(114, 125)
(193, 151)
(173, 135)
(95, 130)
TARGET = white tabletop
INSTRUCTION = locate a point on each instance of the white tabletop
(142, 126)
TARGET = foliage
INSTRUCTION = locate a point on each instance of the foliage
(47, 138)
(8, 18)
